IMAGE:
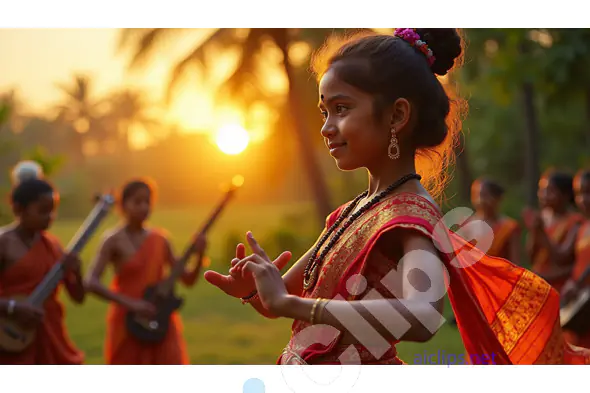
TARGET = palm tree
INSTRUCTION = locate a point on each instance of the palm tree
(129, 108)
(14, 118)
(79, 111)
(244, 84)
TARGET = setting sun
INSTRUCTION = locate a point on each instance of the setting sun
(232, 139)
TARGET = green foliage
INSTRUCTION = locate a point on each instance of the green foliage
(76, 192)
(498, 63)
(50, 163)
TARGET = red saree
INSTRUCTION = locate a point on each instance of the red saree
(145, 268)
(557, 233)
(582, 263)
(52, 344)
(501, 308)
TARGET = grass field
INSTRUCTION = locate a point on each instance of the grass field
(218, 329)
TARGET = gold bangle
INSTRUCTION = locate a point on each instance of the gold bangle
(313, 310)
(320, 310)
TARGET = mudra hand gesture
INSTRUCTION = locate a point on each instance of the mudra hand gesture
(253, 272)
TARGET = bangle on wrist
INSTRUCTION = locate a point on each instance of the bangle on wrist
(247, 299)
(316, 310)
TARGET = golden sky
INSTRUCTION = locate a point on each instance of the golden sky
(35, 60)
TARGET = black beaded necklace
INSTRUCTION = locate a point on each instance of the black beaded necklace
(310, 274)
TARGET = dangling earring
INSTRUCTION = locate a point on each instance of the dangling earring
(393, 150)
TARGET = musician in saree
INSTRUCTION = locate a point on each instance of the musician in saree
(140, 256)
(486, 197)
(375, 277)
(580, 278)
(27, 253)
(552, 231)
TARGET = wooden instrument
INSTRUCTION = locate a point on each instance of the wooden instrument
(162, 294)
(575, 314)
(13, 336)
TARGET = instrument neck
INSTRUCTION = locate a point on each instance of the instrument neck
(167, 286)
(80, 239)
(177, 270)
(48, 285)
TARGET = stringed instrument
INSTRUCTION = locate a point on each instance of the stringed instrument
(162, 294)
(13, 336)
(574, 315)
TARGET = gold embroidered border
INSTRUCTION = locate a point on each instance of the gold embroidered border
(417, 227)
(520, 310)
(346, 250)
(358, 234)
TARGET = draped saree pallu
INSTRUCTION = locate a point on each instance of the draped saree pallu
(501, 309)
(52, 345)
(557, 233)
(145, 268)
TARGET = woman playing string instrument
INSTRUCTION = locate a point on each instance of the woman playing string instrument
(139, 256)
(552, 232)
(27, 253)
(375, 276)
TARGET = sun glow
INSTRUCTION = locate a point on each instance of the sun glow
(232, 139)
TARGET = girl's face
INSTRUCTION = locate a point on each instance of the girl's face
(351, 133)
(481, 198)
(137, 207)
(582, 190)
(550, 196)
(38, 215)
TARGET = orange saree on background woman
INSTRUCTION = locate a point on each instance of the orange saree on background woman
(504, 231)
(52, 344)
(145, 268)
(501, 308)
(557, 234)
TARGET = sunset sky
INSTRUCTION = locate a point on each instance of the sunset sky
(35, 60)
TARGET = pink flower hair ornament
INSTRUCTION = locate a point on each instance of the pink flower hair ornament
(413, 38)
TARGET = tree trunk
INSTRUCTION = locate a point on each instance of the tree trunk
(310, 161)
(532, 143)
(77, 148)
(465, 176)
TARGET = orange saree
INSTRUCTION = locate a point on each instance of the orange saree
(504, 230)
(582, 263)
(557, 233)
(501, 309)
(145, 268)
(52, 345)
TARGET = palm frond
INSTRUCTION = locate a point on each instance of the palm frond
(242, 84)
(222, 38)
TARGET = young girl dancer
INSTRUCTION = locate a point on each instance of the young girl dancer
(377, 274)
